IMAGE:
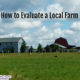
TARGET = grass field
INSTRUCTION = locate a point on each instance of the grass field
(43, 66)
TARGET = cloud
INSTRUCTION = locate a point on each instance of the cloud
(43, 29)
(68, 32)
(12, 5)
(71, 5)
(23, 24)
(26, 24)
(56, 8)
(10, 35)
(56, 25)
(43, 35)
(40, 3)
(76, 26)
(1, 31)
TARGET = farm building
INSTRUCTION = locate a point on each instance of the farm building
(62, 45)
(62, 42)
(8, 45)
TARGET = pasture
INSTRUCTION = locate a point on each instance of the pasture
(41, 66)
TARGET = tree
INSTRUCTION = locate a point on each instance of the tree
(12, 50)
(47, 48)
(23, 46)
(31, 49)
(39, 49)
(56, 48)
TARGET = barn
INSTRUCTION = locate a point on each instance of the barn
(10, 45)
(62, 42)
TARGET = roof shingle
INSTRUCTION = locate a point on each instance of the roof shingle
(13, 39)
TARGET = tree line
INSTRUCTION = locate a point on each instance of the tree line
(47, 48)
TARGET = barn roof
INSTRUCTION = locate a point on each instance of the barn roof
(62, 41)
(13, 39)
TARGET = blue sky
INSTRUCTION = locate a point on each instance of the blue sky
(37, 31)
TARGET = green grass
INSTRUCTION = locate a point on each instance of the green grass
(43, 66)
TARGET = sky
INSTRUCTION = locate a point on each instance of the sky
(35, 31)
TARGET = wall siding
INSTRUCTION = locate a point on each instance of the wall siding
(15, 45)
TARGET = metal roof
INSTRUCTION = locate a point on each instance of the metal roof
(13, 39)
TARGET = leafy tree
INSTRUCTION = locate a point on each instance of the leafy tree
(39, 49)
(56, 48)
(31, 49)
(23, 47)
(12, 50)
(47, 48)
